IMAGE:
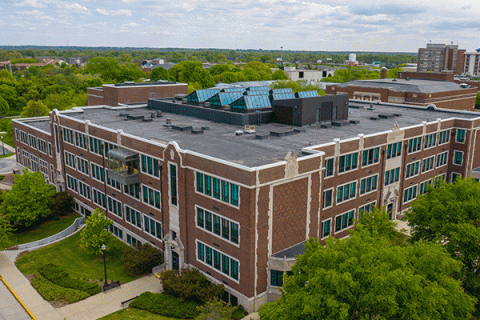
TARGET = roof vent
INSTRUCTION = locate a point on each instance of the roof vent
(431, 107)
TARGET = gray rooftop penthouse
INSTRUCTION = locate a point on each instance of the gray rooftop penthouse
(271, 141)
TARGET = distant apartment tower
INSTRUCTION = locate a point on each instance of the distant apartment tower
(437, 57)
(472, 63)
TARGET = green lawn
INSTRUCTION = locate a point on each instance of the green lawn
(44, 230)
(74, 260)
(134, 314)
(7, 139)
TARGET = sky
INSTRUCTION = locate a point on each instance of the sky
(352, 25)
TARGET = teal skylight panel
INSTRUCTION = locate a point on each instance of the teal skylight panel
(234, 89)
(282, 96)
(257, 92)
(282, 90)
(257, 102)
(228, 97)
(259, 88)
(202, 95)
(307, 94)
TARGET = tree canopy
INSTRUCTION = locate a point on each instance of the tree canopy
(95, 233)
(449, 213)
(34, 109)
(29, 199)
(367, 276)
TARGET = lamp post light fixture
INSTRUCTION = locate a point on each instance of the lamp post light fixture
(104, 266)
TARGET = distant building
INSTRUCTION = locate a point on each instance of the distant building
(437, 57)
(472, 64)
(133, 93)
(309, 75)
(414, 88)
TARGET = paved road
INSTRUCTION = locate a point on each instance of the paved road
(8, 164)
(10, 308)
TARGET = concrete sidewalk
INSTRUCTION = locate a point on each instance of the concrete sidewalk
(40, 308)
(102, 304)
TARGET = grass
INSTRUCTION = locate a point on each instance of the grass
(44, 230)
(134, 314)
(8, 139)
(74, 260)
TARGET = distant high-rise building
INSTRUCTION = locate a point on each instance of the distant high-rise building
(437, 57)
(472, 63)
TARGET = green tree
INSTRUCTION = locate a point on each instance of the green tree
(368, 277)
(34, 109)
(477, 101)
(95, 233)
(28, 200)
(378, 223)
(141, 258)
(4, 108)
(160, 73)
(279, 75)
(449, 213)
(5, 231)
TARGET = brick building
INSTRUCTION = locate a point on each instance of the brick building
(240, 206)
(437, 57)
(131, 93)
(415, 88)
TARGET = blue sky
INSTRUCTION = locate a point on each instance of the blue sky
(354, 25)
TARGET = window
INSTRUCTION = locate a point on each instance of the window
(346, 192)
(222, 227)
(32, 141)
(116, 231)
(133, 217)
(394, 150)
(150, 166)
(222, 190)
(460, 136)
(344, 220)
(276, 278)
(368, 184)
(430, 141)
(99, 198)
(347, 162)
(414, 144)
(115, 207)
(72, 183)
(24, 137)
(442, 159)
(131, 240)
(367, 208)
(326, 228)
(57, 144)
(412, 169)
(151, 197)
(97, 172)
(455, 176)
(152, 227)
(423, 186)
(81, 140)
(114, 184)
(444, 137)
(427, 164)
(70, 159)
(133, 190)
(409, 194)
(68, 136)
(96, 146)
(327, 198)
(42, 146)
(329, 167)
(458, 158)
(173, 184)
(84, 190)
(49, 149)
(223, 263)
(392, 176)
(370, 156)
(82, 165)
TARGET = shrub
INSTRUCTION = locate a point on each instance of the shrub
(59, 277)
(141, 258)
(166, 305)
(50, 291)
(62, 204)
(190, 284)
(239, 312)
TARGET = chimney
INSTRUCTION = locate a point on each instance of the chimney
(383, 73)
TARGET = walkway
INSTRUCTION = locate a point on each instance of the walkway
(102, 304)
(10, 308)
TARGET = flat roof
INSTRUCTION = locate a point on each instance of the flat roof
(221, 142)
(404, 85)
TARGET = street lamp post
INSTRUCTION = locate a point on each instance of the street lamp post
(104, 266)
(281, 54)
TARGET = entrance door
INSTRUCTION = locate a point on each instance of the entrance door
(390, 210)
(317, 115)
(175, 261)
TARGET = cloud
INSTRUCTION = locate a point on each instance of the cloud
(130, 25)
(120, 12)
(75, 7)
(145, 20)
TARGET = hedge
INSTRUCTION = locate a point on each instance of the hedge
(166, 305)
(59, 277)
(50, 291)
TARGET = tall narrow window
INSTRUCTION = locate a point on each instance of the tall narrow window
(173, 184)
